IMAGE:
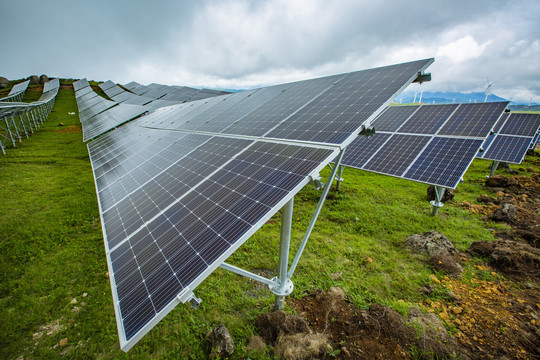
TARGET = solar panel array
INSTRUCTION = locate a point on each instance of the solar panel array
(20, 87)
(175, 204)
(514, 135)
(98, 115)
(155, 96)
(433, 144)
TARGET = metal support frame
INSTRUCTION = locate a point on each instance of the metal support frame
(494, 166)
(282, 285)
(439, 192)
(339, 179)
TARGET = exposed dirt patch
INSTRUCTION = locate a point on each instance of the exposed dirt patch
(49, 329)
(376, 333)
(491, 320)
(69, 129)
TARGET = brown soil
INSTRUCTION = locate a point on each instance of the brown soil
(485, 315)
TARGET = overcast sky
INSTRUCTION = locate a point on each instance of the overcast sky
(245, 44)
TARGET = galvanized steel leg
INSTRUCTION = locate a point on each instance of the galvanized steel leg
(285, 285)
(439, 192)
(339, 179)
(494, 166)
(315, 216)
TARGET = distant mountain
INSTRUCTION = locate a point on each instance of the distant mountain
(439, 97)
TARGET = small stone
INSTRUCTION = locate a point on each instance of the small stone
(74, 301)
(84, 294)
(222, 342)
(62, 342)
(345, 351)
(107, 274)
(369, 260)
(61, 124)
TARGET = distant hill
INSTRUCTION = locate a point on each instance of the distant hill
(438, 97)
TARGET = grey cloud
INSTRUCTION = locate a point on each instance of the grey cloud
(252, 43)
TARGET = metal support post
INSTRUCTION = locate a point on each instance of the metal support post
(439, 192)
(339, 179)
(18, 134)
(285, 284)
(315, 216)
(8, 130)
(23, 126)
(29, 121)
(494, 166)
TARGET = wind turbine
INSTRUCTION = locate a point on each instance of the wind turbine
(489, 85)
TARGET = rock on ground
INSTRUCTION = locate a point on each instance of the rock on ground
(446, 264)
(507, 212)
(447, 196)
(497, 181)
(3, 82)
(432, 242)
(222, 341)
(34, 80)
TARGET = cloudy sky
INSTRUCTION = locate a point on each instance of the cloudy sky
(243, 44)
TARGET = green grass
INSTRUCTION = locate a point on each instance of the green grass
(51, 252)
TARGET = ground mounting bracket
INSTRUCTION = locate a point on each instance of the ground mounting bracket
(281, 285)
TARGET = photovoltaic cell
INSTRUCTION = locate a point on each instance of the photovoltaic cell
(473, 120)
(20, 87)
(444, 161)
(393, 117)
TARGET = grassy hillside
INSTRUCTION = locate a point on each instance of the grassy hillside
(53, 268)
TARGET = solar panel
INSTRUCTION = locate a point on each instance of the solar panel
(428, 119)
(393, 117)
(107, 85)
(113, 91)
(80, 84)
(51, 85)
(416, 148)
(20, 87)
(508, 149)
(396, 155)
(470, 119)
(444, 161)
(84, 90)
(175, 204)
(337, 113)
(109, 119)
(535, 141)
(516, 135)
(205, 197)
(521, 124)
(131, 85)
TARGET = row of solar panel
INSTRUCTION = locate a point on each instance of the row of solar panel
(98, 115)
(514, 135)
(175, 204)
(18, 119)
(155, 96)
(433, 144)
